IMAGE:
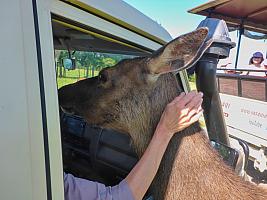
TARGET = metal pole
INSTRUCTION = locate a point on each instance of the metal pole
(213, 113)
(206, 78)
(241, 31)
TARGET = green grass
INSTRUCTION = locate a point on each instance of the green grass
(192, 81)
(72, 76)
(193, 86)
(65, 81)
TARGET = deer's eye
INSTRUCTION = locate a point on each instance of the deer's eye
(103, 77)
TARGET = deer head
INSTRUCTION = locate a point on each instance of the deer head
(131, 96)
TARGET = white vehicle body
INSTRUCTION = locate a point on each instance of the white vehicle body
(246, 119)
(30, 143)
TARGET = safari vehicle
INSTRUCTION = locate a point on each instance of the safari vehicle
(31, 153)
(31, 139)
(244, 98)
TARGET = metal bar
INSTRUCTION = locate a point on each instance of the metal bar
(213, 113)
(208, 5)
(239, 85)
(218, 82)
(261, 10)
(249, 70)
(241, 31)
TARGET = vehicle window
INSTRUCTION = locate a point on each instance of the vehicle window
(85, 65)
(248, 46)
(81, 52)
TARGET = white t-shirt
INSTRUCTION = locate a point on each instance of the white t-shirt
(252, 67)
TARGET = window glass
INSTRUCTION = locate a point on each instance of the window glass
(85, 65)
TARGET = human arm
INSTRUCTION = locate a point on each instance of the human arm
(226, 66)
(179, 114)
(264, 63)
(82, 189)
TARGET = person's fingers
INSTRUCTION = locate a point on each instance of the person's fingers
(190, 121)
(196, 117)
(195, 102)
(178, 98)
(199, 108)
(192, 107)
(192, 116)
(196, 109)
(199, 104)
(187, 98)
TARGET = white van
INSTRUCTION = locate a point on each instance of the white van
(30, 144)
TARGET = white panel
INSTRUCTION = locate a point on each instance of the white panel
(21, 152)
(51, 97)
(126, 13)
(14, 142)
(245, 114)
(85, 18)
(39, 190)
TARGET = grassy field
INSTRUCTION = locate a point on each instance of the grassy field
(192, 85)
(61, 81)
(72, 76)
(65, 81)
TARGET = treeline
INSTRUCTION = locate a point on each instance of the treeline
(88, 61)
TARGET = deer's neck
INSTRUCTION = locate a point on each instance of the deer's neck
(192, 169)
(142, 121)
(185, 151)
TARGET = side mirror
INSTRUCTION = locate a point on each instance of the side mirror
(69, 64)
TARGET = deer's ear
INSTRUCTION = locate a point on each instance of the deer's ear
(180, 53)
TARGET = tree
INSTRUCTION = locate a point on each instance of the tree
(90, 61)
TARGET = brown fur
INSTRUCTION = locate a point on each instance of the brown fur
(131, 98)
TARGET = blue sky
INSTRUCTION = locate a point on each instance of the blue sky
(171, 14)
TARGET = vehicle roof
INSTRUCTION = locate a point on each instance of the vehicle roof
(125, 15)
(251, 13)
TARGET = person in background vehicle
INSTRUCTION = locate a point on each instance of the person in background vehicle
(183, 111)
(255, 63)
(265, 63)
(227, 71)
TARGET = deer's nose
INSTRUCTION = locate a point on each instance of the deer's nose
(68, 110)
(65, 98)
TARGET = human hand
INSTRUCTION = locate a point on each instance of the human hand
(183, 111)
(225, 65)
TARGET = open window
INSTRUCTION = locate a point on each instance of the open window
(82, 52)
